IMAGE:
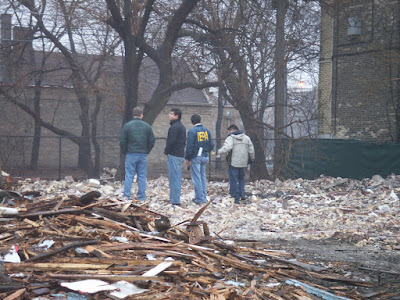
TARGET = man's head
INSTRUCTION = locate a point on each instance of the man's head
(196, 119)
(175, 114)
(233, 128)
(137, 112)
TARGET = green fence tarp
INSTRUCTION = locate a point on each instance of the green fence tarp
(339, 158)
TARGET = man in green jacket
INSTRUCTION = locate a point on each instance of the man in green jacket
(136, 141)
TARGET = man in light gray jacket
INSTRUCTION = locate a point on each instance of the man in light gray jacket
(241, 149)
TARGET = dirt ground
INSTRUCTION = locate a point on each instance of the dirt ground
(333, 251)
(377, 266)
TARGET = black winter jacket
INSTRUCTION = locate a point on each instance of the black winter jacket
(176, 139)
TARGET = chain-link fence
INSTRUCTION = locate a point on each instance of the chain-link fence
(58, 157)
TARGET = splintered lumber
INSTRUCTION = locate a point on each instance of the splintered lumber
(109, 277)
(148, 246)
(228, 261)
(97, 222)
(201, 210)
(20, 294)
(56, 266)
(49, 213)
(10, 287)
(112, 214)
(61, 249)
(113, 247)
(116, 261)
(158, 269)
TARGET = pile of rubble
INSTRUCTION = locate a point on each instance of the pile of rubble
(79, 240)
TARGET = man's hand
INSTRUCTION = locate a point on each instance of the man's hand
(216, 154)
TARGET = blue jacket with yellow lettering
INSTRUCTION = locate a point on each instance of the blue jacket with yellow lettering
(198, 136)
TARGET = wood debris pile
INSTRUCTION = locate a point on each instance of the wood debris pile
(65, 246)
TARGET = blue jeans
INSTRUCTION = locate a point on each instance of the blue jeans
(135, 162)
(175, 178)
(198, 171)
(236, 181)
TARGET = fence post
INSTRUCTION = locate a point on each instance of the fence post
(209, 165)
(59, 158)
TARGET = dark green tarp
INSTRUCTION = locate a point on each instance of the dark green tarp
(339, 158)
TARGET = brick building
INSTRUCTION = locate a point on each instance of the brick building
(59, 104)
(359, 70)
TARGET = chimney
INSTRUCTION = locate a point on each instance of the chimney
(23, 56)
(22, 42)
(5, 21)
(5, 48)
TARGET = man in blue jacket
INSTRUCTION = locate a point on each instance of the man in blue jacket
(175, 149)
(136, 141)
(199, 144)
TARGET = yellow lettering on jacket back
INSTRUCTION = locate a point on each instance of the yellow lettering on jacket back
(202, 136)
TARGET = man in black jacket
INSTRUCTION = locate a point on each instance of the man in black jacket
(175, 149)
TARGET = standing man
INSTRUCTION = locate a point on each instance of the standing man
(136, 141)
(199, 144)
(175, 149)
(242, 149)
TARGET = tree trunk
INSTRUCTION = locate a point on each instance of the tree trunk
(218, 127)
(258, 170)
(85, 154)
(131, 65)
(37, 128)
(97, 150)
(280, 83)
(131, 77)
(162, 93)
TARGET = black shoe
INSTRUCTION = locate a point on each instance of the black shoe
(177, 204)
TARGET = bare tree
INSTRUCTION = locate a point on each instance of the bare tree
(149, 28)
(63, 33)
(233, 32)
(243, 35)
(152, 29)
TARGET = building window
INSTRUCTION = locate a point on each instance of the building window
(354, 29)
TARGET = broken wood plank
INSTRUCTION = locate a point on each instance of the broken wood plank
(55, 266)
(61, 249)
(229, 261)
(107, 277)
(49, 213)
(97, 222)
(20, 294)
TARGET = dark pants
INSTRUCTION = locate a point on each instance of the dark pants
(237, 181)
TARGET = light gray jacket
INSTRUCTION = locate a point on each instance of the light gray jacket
(241, 147)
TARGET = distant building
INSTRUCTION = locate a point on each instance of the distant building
(19, 63)
(359, 96)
